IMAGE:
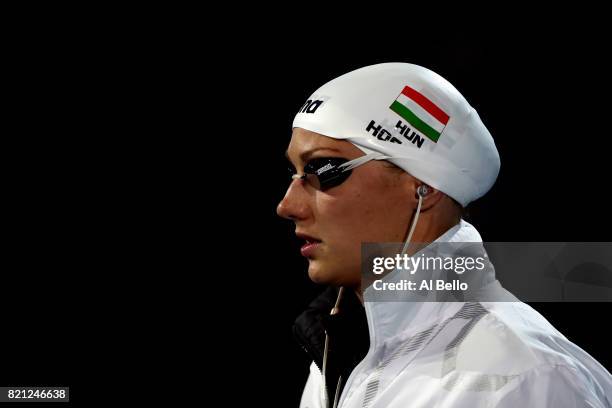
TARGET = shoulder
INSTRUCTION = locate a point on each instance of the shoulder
(513, 340)
(509, 338)
(553, 386)
(516, 353)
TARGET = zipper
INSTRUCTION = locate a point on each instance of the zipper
(351, 378)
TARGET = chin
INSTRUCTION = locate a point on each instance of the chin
(322, 275)
(319, 274)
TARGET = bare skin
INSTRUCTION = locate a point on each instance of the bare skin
(375, 204)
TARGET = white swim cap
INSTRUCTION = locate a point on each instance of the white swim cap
(414, 116)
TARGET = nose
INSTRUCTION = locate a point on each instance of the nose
(294, 205)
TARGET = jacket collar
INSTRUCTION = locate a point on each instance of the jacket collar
(387, 319)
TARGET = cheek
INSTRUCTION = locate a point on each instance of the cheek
(355, 217)
(365, 215)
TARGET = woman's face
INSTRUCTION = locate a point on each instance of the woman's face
(373, 205)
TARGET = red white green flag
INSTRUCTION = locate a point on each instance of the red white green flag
(420, 112)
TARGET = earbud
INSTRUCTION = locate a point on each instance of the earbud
(423, 190)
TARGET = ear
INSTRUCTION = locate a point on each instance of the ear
(430, 198)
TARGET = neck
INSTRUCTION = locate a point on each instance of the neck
(426, 232)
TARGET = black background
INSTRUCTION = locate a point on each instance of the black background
(145, 159)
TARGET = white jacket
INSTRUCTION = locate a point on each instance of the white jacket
(471, 354)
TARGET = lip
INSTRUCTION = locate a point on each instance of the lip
(308, 249)
(310, 246)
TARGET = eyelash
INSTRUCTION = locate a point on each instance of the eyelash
(291, 167)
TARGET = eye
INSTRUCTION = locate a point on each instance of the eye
(326, 172)
(321, 165)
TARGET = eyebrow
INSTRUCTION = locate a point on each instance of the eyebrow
(304, 156)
